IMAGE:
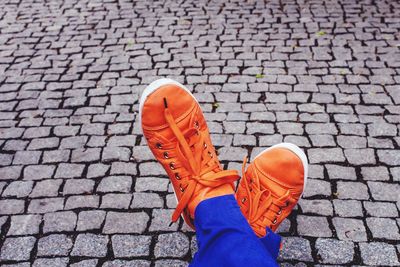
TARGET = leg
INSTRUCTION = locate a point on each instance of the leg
(272, 242)
(225, 238)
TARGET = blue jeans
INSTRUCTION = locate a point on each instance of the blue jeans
(225, 238)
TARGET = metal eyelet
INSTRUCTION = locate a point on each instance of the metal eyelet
(172, 166)
(181, 188)
(279, 212)
(196, 124)
(166, 156)
(205, 146)
(177, 177)
(274, 222)
(210, 154)
(158, 145)
(243, 200)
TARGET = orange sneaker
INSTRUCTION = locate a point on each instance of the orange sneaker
(271, 186)
(177, 134)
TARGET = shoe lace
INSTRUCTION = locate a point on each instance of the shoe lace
(262, 201)
(201, 165)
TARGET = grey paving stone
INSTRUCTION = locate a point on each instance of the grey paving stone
(45, 205)
(317, 187)
(59, 221)
(354, 156)
(313, 226)
(5, 159)
(120, 140)
(348, 208)
(115, 184)
(171, 245)
(90, 219)
(51, 262)
(9, 133)
(384, 191)
(168, 262)
(73, 142)
(232, 153)
(54, 245)
(35, 132)
(318, 155)
(395, 173)
(90, 245)
(334, 251)
(46, 188)
(67, 170)
(151, 169)
(144, 153)
(352, 190)
(317, 206)
(75, 202)
(349, 229)
(127, 263)
(24, 225)
(85, 155)
(119, 222)
(21, 264)
(43, 143)
(116, 154)
(97, 170)
(151, 184)
(322, 140)
(86, 263)
(17, 248)
(383, 228)
(10, 172)
(161, 220)
(381, 209)
(27, 157)
(375, 173)
(38, 172)
(377, 253)
(126, 168)
(390, 157)
(11, 206)
(146, 200)
(321, 128)
(256, 127)
(18, 189)
(244, 140)
(130, 245)
(295, 248)
(116, 201)
(15, 145)
(340, 172)
(55, 156)
(78, 186)
(382, 129)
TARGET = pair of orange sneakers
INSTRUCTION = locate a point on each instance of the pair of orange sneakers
(177, 134)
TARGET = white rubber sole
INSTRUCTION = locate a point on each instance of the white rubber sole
(299, 153)
(151, 88)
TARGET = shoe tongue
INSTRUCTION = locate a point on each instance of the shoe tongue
(277, 189)
(167, 133)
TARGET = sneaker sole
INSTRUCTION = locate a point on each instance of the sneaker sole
(299, 153)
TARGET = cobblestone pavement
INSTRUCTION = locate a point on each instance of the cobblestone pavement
(78, 185)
